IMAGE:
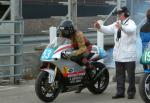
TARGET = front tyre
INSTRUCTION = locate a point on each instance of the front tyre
(102, 82)
(45, 91)
(144, 87)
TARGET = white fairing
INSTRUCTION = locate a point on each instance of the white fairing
(54, 50)
(57, 53)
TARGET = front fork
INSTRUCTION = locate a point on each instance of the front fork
(52, 73)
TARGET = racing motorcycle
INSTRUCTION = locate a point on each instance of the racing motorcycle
(59, 74)
(144, 85)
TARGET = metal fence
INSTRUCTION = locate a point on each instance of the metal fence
(11, 52)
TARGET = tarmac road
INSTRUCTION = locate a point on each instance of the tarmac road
(24, 93)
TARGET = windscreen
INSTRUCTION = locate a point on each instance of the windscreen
(58, 41)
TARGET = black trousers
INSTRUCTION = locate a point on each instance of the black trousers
(77, 59)
(121, 68)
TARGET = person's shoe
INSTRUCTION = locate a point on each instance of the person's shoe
(79, 90)
(117, 96)
(130, 96)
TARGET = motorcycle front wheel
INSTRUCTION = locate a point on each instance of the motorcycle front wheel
(144, 87)
(102, 82)
(45, 91)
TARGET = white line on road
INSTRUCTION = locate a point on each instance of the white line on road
(2, 86)
(7, 88)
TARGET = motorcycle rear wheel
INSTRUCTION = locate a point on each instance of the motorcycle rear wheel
(102, 82)
(44, 90)
(144, 87)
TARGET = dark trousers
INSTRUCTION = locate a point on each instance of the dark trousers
(77, 59)
(121, 68)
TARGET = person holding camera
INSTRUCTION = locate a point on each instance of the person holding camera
(124, 52)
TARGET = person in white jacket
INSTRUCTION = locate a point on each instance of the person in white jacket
(124, 52)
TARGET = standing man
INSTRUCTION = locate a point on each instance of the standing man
(124, 52)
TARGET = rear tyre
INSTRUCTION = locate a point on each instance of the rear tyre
(102, 82)
(45, 91)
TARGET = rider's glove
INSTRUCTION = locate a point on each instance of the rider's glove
(66, 54)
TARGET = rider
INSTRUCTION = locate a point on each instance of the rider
(145, 33)
(81, 45)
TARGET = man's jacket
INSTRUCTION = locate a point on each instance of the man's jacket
(125, 47)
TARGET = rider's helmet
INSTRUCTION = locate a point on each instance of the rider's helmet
(67, 29)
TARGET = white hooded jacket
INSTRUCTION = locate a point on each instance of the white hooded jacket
(125, 47)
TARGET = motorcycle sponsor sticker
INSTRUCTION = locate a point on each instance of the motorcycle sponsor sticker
(70, 70)
(75, 79)
(75, 74)
(65, 70)
(79, 73)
